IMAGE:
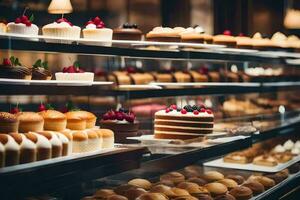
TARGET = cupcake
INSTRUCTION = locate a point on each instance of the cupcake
(23, 25)
(95, 29)
(74, 73)
(127, 32)
(61, 28)
(13, 69)
(40, 71)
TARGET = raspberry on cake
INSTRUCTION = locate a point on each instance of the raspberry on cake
(74, 73)
(186, 123)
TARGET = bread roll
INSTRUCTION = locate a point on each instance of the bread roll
(43, 145)
(27, 148)
(55, 142)
(80, 142)
(12, 150)
(8, 123)
(54, 120)
(30, 121)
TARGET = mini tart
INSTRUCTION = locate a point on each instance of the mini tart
(211, 176)
(141, 183)
(8, 123)
(227, 40)
(255, 186)
(175, 177)
(241, 193)
(216, 189)
(127, 34)
(15, 72)
(30, 121)
(40, 73)
(54, 120)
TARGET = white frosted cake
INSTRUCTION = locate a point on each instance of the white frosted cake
(187, 123)
(23, 25)
(74, 73)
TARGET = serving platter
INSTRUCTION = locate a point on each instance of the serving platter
(251, 167)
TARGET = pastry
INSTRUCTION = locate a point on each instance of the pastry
(62, 28)
(229, 183)
(283, 157)
(95, 29)
(116, 197)
(66, 143)
(237, 178)
(192, 188)
(11, 68)
(27, 148)
(261, 43)
(182, 77)
(54, 120)
(225, 197)
(8, 123)
(122, 189)
(30, 121)
(108, 138)
(192, 171)
(80, 142)
(279, 40)
(241, 193)
(103, 193)
(278, 177)
(152, 196)
(192, 35)
(199, 181)
(255, 186)
(94, 140)
(198, 77)
(178, 192)
(11, 148)
(164, 34)
(122, 122)
(204, 197)
(163, 189)
(175, 177)
(141, 78)
(23, 25)
(237, 157)
(141, 183)
(279, 149)
(186, 198)
(265, 160)
(55, 142)
(186, 123)
(79, 120)
(3, 28)
(163, 76)
(216, 189)
(43, 145)
(288, 145)
(244, 42)
(267, 182)
(134, 193)
(127, 32)
(40, 71)
(225, 39)
(74, 73)
(120, 78)
(211, 176)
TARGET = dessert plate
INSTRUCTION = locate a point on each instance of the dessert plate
(251, 167)
(52, 82)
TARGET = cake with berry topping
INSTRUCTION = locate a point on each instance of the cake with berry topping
(122, 122)
(127, 32)
(40, 71)
(225, 39)
(23, 25)
(74, 73)
(186, 123)
(95, 29)
(61, 28)
(12, 68)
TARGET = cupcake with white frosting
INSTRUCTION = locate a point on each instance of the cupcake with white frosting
(61, 28)
(95, 29)
(23, 25)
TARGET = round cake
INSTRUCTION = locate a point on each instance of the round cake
(187, 123)
(122, 123)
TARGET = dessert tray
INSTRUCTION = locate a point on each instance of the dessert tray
(250, 167)
(52, 82)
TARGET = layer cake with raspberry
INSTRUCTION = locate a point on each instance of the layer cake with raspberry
(186, 123)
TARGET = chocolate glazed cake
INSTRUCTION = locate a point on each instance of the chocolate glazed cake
(189, 122)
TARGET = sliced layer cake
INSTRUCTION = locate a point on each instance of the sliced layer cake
(186, 123)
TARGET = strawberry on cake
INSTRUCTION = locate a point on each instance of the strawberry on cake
(186, 123)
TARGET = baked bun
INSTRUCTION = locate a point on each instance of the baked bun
(175, 177)
(166, 190)
(216, 189)
(103, 194)
(178, 192)
(80, 142)
(152, 196)
(192, 171)
(255, 186)
(94, 141)
(66, 144)
(225, 197)
(27, 148)
(43, 145)
(108, 138)
(241, 193)
(229, 183)
(8, 123)
(204, 197)
(186, 198)
(116, 197)
(199, 181)
(192, 188)
(12, 150)
(277, 177)
(54, 120)
(141, 183)
(237, 178)
(30, 121)
(267, 182)
(211, 176)
(134, 193)
(122, 189)
(164, 182)
(56, 143)
(80, 120)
